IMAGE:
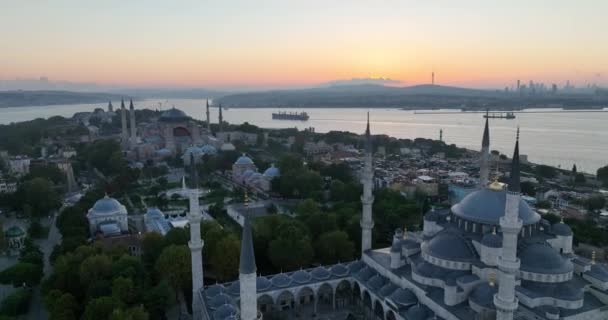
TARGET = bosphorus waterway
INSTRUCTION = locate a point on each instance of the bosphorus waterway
(559, 139)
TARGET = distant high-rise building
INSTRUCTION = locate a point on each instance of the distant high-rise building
(433, 78)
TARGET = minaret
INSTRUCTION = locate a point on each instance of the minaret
(123, 118)
(133, 128)
(195, 244)
(484, 160)
(367, 199)
(505, 300)
(247, 271)
(110, 107)
(221, 119)
(208, 119)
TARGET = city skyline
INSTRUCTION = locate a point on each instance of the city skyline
(279, 45)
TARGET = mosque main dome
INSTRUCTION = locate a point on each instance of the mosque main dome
(173, 115)
(106, 205)
(487, 206)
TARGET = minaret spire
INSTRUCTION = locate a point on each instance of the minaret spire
(510, 224)
(123, 119)
(133, 127)
(110, 106)
(367, 199)
(247, 270)
(196, 243)
(484, 165)
(208, 118)
(220, 118)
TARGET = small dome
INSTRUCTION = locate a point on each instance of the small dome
(281, 280)
(339, 270)
(561, 229)
(483, 295)
(194, 150)
(320, 273)
(491, 240)
(272, 172)
(450, 245)
(154, 212)
(403, 297)
(262, 284)
(243, 160)
(225, 312)
(173, 115)
(106, 205)
(214, 290)
(365, 274)
(235, 288)
(219, 300)
(487, 206)
(301, 276)
(417, 312)
(542, 258)
(376, 282)
(356, 266)
(208, 149)
(14, 232)
(387, 290)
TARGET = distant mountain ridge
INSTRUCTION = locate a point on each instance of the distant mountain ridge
(23, 98)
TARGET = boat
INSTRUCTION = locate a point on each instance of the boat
(499, 115)
(302, 116)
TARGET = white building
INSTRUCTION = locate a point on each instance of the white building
(108, 217)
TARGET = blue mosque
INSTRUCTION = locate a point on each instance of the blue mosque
(489, 256)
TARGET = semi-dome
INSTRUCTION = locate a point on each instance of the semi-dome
(320, 273)
(262, 283)
(365, 274)
(173, 115)
(387, 289)
(417, 312)
(356, 266)
(214, 290)
(272, 172)
(483, 295)
(243, 160)
(542, 258)
(225, 312)
(208, 149)
(235, 288)
(154, 212)
(281, 280)
(561, 229)
(449, 245)
(106, 205)
(376, 282)
(403, 297)
(487, 206)
(492, 240)
(219, 300)
(301, 276)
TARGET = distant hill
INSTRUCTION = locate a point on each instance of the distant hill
(19, 98)
(364, 95)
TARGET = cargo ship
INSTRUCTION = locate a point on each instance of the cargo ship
(499, 115)
(302, 116)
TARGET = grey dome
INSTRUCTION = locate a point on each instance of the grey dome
(301, 276)
(417, 312)
(387, 289)
(376, 282)
(365, 274)
(356, 266)
(492, 240)
(320, 273)
(235, 288)
(272, 172)
(219, 300)
(173, 115)
(561, 229)
(450, 245)
(487, 206)
(208, 149)
(106, 205)
(542, 258)
(225, 311)
(281, 280)
(214, 290)
(339, 270)
(242, 160)
(403, 297)
(262, 283)
(483, 295)
(154, 212)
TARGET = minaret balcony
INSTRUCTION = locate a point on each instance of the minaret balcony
(196, 246)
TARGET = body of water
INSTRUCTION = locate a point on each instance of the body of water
(559, 139)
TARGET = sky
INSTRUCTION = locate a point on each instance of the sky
(293, 43)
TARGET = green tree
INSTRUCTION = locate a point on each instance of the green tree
(602, 175)
(152, 245)
(292, 237)
(40, 195)
(579, 178)
(135, 313)
(48, 172)
(173, 264)
(97, 267)
(61, 306)
(124, 291)
(22, 273)
(528, 188)
(596, 202)
(176, 236)
(545, 171)
(156, 300)
(212, 233)
(225, 260)
(334, 246)
(16, 303)
(100, 308)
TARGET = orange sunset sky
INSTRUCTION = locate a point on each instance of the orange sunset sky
(295, 43)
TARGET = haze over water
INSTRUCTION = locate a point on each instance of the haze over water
(555, 139)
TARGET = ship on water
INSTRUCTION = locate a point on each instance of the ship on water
(499, 115)
(302, 116)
